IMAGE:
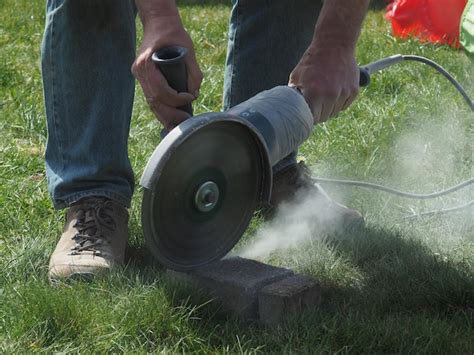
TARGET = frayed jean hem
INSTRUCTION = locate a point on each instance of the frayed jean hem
(70, 199)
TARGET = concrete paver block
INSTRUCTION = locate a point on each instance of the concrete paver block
(234, 282)
(288, 296)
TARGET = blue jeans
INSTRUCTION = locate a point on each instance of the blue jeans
(87, 52)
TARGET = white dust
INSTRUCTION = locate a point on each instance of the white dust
(429, 156)
(307, 218)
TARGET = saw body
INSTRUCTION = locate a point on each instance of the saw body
(208, 175)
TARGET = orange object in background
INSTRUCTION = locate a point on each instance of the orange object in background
(436, 21)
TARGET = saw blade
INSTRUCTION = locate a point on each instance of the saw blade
(205, 195)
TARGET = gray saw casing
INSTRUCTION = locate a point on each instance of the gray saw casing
(279, 121)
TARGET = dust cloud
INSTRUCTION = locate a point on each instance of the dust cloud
(431, 155)
(307, 218)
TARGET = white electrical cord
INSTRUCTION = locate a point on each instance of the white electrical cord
(390, 190)
(384, 63)
(394, 191)
(442, 211)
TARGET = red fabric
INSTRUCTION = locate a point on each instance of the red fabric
(435, 21)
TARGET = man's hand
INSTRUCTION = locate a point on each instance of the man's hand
(327, 74)
(162, 27)
(328, 79)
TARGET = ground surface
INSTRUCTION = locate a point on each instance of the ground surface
(398, 286)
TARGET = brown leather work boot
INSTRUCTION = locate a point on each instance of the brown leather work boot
(94, 239)
(295, 185)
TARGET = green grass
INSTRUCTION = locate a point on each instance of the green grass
(397, 287)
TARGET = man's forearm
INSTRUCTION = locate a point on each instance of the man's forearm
(153, 9)
(339, 23)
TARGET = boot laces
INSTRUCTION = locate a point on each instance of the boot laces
(93, 222)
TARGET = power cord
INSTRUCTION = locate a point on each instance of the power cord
(367, 70)
(390, 190)
(365, 73)
(394, 191)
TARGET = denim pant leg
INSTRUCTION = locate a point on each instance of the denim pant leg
(266, 40)
(87, 52)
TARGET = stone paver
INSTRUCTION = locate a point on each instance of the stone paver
(254, 290)
(234, 282)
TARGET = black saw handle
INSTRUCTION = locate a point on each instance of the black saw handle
(170, 61)
(377, 66)
(364, 78)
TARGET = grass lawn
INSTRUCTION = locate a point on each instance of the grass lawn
(398, 286)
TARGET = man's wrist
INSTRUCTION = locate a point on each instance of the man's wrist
(161, 25)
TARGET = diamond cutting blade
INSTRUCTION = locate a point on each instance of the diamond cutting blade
(207, 184)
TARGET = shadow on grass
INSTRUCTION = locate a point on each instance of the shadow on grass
(402, 274)
(407, 294)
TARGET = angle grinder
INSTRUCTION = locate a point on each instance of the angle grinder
(207, 176)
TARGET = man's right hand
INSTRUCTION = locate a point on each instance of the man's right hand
(327, 74)
(162, 29)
